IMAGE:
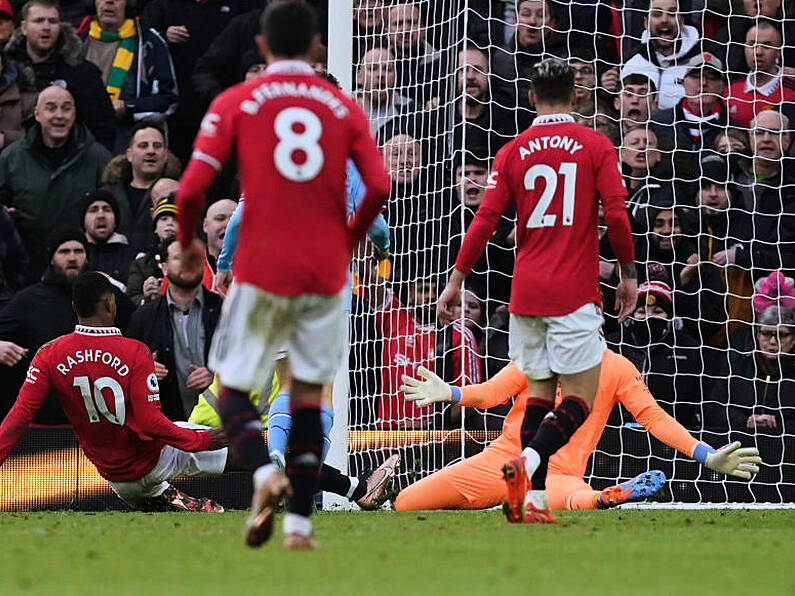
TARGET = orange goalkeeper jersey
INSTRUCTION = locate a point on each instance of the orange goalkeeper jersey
(619, 382)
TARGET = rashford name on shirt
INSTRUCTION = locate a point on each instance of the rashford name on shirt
(94, 356)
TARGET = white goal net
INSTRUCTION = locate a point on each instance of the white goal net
(696, 95)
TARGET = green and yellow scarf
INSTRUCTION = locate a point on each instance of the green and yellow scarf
(124, 55)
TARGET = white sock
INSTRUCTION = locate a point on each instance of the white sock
(262, 473)
(537, 498)
(297, 524)
(354, 486)
(531, 461)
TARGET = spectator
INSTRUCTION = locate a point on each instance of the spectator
(16, 104)
(732, 140)
(755, 390)
(6, 22)
(668, 46)
(583, 64)
(43, 312)
(368, 25)
(665, 246)
(215, 221)
(376, 94)
(189, 27)
(13, 258)
(636, 100)
(131, 175)
(418, 65)
(178, 327)
(669, 359)
(719, 294)
(763, 88)
(700, 115)
(410, 338)
(145, 281)
(108, 251)
(494, 269)
(774, 290)
(44, 174)
(48, 52)
(768, 190)
(537, 35)
(136, 67)
(219, 66)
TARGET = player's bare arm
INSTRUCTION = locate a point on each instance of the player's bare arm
(450, 296)
(627, 290)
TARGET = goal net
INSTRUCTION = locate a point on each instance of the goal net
(676, 87)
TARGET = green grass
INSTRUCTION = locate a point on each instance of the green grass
(472, 553)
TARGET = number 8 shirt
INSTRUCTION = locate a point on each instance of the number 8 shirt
(108, 389)
(556, 173)
(292, 132)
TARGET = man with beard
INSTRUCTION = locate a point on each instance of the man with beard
(664, 247)
(42, 312)
(178, 327)
(668, 45)
(410, 339)
(669, 360)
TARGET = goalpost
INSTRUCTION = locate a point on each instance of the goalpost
(404, 60)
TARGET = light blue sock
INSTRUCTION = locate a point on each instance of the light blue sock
(279, 423)
(326, 420)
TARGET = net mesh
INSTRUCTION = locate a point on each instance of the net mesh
(445, 84)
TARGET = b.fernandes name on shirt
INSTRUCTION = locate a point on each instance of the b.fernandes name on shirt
(275, 89)
(549, 142)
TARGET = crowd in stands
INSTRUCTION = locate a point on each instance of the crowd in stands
(99, 105)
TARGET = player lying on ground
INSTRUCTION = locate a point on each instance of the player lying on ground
(476, 482)
(108, 389)
(557, 173)
(367, 491)
(292, 133)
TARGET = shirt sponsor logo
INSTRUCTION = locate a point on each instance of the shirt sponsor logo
(491, 183)
(31, 376)
(209, 125)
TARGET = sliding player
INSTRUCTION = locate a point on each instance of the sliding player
(556, 173)
(108, 389)
(476, 483)
(292, 133)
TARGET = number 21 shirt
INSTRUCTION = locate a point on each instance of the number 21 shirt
(556, 173)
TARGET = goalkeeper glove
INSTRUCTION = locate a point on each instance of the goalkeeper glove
(429, 391)
(732, 460)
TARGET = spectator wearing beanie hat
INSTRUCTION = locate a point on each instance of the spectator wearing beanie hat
(42, 312)
(108, 251)
(669, 359)
(145, 281)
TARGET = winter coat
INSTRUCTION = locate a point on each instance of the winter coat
(113, 257)
(13, 258)
(36, 315)
(667, 73)
(152, 325)
(83, 80)
(44, 196)
(150, 87)
(15, 105)
(219, 66)
(137, 227)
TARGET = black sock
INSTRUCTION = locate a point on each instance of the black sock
(534, 413)
(304, 448)
(554, 432)
(243, 428)
(333, 481)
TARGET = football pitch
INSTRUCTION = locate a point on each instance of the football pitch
(473, 553)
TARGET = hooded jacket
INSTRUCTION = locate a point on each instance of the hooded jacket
(43, 195)
(83, 80)
(667, 72)
(15, 105)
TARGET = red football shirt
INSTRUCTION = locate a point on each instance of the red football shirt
(406, 345)
(108, 389)
(745, 102)
(556, 173)
(292, 133)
